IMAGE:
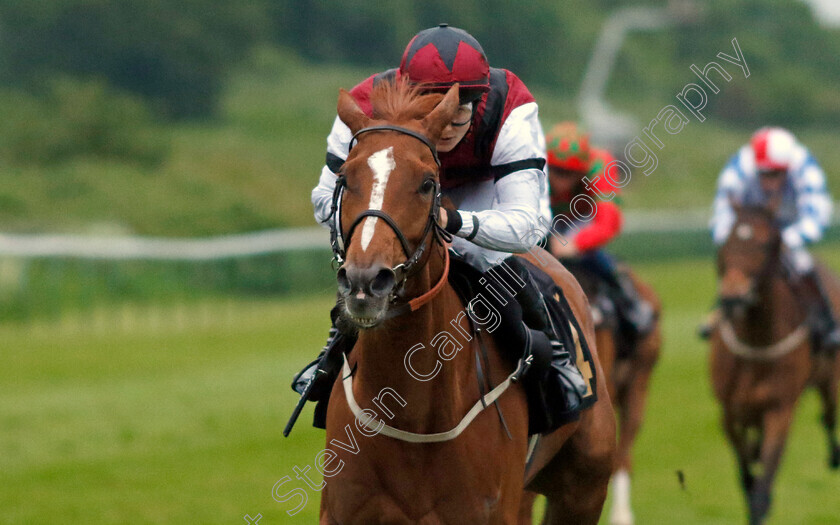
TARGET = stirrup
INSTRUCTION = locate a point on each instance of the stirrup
(307, 375)
(318, 370)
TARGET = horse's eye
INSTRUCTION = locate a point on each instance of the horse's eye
(427, 186)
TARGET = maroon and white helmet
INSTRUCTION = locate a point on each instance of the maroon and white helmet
(774, 148)
(439, 57)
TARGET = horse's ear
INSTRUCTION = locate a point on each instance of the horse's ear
(350, 113)
(442, 115)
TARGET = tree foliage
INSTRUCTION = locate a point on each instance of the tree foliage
(175, 53)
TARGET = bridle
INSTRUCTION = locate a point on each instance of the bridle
(774, 350)
(407, 268)
(767, 268)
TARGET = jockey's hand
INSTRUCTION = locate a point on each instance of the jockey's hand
(561, 251)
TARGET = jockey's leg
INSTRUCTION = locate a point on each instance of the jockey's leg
(821, 314)
(709, 323)
(545, 341)
(631, 306)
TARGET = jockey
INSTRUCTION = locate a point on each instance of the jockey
(570, 160)
(492, 159)
(774, 163)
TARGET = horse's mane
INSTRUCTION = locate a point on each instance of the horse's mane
(399, 101)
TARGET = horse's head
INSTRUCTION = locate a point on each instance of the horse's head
(389, 203)
(748, 257)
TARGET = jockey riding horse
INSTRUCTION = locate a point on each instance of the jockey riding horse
(776, 166)
(493, 180)
(576, 169)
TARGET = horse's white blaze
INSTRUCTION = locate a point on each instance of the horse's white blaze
(382, 164)
(744, 232)
(621, 513)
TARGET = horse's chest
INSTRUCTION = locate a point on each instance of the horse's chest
(384, 508)
(430, 489)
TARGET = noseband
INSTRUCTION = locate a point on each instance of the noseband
(402, 271)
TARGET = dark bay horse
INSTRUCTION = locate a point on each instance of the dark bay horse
(402, 447)
(628, 363)
(761, 358)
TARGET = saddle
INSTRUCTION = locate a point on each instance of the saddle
(546, 390)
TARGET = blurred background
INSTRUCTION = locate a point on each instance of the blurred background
(161, 276)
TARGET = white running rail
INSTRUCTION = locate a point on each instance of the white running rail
(263, 242)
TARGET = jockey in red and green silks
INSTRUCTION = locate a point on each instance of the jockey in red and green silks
(586, 214)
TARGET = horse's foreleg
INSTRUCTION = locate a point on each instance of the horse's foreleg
(631, 410)
(776, 424)
(828, 394)
(738, 438)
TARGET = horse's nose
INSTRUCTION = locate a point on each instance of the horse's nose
(735, 285)
(375, 280)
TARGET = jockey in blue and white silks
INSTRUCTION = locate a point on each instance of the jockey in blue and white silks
(776, 164)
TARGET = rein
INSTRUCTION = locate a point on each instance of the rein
(767, 352)
(404, 270)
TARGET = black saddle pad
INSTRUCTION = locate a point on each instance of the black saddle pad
(467, 282)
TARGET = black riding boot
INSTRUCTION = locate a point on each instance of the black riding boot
(322, 372)
(315, 381)
(823, 321)
(546, 346)
(704, 331)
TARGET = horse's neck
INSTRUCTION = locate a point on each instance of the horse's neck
(430, 405)
(777, 311)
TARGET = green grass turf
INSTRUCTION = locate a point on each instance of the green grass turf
(180, 420)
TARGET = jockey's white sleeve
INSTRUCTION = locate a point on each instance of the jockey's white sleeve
(813, 205)
(729, 186)
(338, 143)
(507, 211)
(510, 223)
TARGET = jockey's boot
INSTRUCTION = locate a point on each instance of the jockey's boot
(322, 372)
(545, 342)
(632, 307)
(823, 321)
(704, 331)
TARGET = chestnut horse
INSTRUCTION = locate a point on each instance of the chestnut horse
(628, 363)
(405, 444)
(761, 355)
